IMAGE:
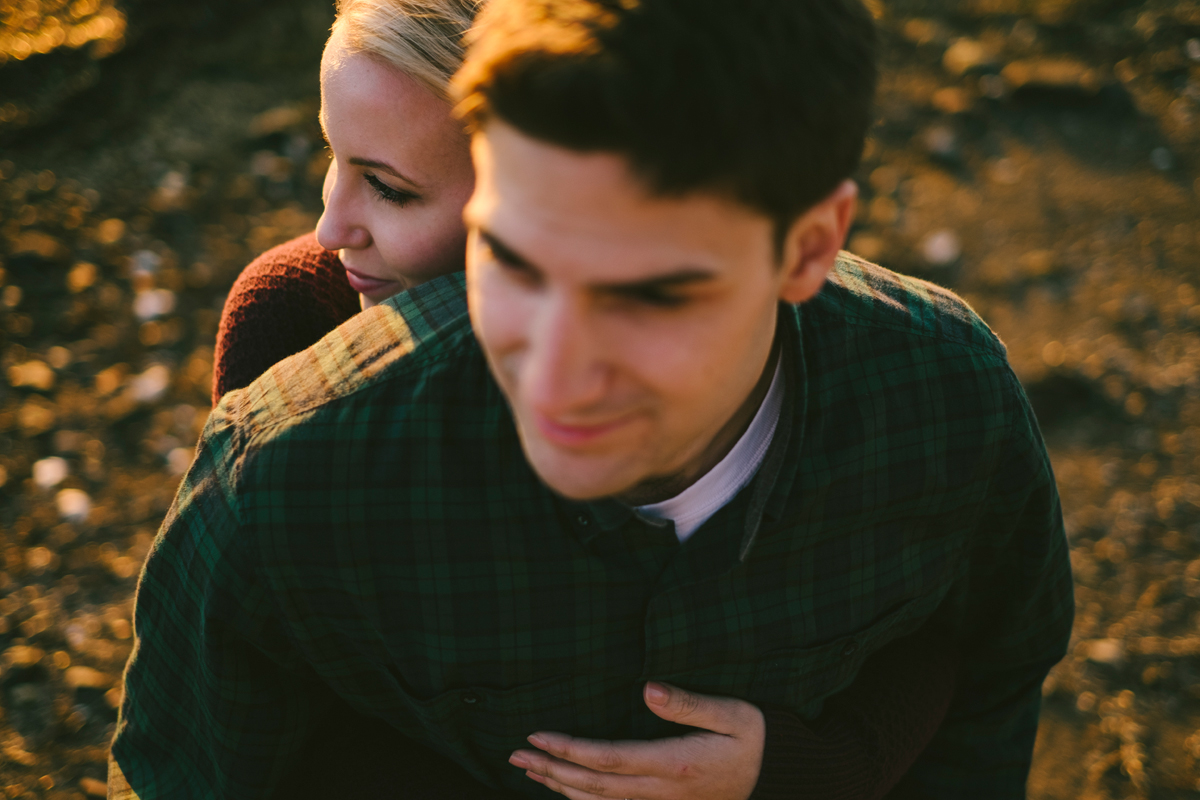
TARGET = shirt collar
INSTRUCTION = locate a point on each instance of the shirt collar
(770, 488)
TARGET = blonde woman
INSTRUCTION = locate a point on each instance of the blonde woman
(400, 175)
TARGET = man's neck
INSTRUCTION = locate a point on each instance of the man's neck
(655, 490)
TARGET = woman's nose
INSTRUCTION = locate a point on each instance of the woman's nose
(340, 226)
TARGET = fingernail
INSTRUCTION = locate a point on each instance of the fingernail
(538, 742)
(535, 776)
(657, 694)
(518, 760)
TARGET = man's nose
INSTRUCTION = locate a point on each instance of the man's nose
(340, 225)
(563, 371)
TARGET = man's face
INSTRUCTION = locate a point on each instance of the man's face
(625, 329)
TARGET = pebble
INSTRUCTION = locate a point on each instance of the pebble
(1192, 48)
(50, 472)
(941, 247)
(1052, 73)
(145, 262)
(23, 656)
(74, 505)
(1106, 651)
(179, 459)
(110, 231)
(31, 374)
(87, 678)
(151, 303)
(1162, 159)
(968, 55)
(151, 385)
(941, 142)
(93, 788)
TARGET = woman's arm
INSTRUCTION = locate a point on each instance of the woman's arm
(283, 302)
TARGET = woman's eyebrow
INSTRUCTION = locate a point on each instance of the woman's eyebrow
(381, 165)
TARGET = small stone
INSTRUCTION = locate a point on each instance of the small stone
(1106, 651)
(36, 416)
(1192, 48)
(82, 276)
(120, 627)
(867, 245)
(93, 788)
(1038, 263)
(941, 248)
(23, 656)
(110, 231)
(87, 678)
(179, 459)
(275, 120)
(1162, 159)
(1052, 73)
(31, 374)
(967, 55)
(951, 100)
(151, 303)
(74, 505)
(145, 262)
(151, 385)
(50, 472)
(1005, 171)
(941, 142)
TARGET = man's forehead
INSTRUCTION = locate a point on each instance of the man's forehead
(535, 196)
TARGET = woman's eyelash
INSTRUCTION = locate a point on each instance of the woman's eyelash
(387, 193)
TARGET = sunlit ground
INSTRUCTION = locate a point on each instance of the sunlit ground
(1040, 158)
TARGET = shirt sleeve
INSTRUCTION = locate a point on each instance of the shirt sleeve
(217, 704)
(1012, 616)
(869, 734)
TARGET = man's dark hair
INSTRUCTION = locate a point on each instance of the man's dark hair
(764, 101)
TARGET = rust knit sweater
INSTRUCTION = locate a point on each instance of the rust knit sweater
(858, 749)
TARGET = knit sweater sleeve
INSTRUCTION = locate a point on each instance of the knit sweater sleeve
(283, 302)
(869, 734)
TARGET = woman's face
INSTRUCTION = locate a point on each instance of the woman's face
(400, 176)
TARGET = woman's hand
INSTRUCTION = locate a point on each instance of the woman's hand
(719, 762)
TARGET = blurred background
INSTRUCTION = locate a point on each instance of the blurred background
(1040, 157)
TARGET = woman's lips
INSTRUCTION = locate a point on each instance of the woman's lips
(575, 435)
(366, 284)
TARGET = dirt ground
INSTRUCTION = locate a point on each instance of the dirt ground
(1040, 157)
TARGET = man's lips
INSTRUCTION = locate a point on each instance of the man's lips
(575, 435)
(366, 284)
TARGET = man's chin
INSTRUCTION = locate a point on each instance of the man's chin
(576, 476)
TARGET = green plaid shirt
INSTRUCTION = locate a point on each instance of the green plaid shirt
(361, 522)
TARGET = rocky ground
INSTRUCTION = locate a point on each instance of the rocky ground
(1038, 156)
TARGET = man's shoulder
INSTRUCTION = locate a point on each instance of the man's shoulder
(865, 295)
(377, 357)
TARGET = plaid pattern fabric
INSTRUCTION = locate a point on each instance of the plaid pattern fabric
(361, 522)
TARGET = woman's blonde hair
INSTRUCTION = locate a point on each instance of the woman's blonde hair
(421, 38)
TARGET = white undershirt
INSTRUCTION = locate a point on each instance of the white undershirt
(692, 507)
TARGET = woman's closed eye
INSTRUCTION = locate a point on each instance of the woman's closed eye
(398, 197)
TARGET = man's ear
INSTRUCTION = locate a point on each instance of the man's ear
(811, 244)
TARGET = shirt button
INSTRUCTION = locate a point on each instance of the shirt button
(583, 520)
(849, 649)
(470, 698)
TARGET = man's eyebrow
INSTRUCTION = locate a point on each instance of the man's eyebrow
(380, 165)
(503, 251)
(684, 276)
(680, 277)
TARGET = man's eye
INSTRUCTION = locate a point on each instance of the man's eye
(387, 193)
(655, 297)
